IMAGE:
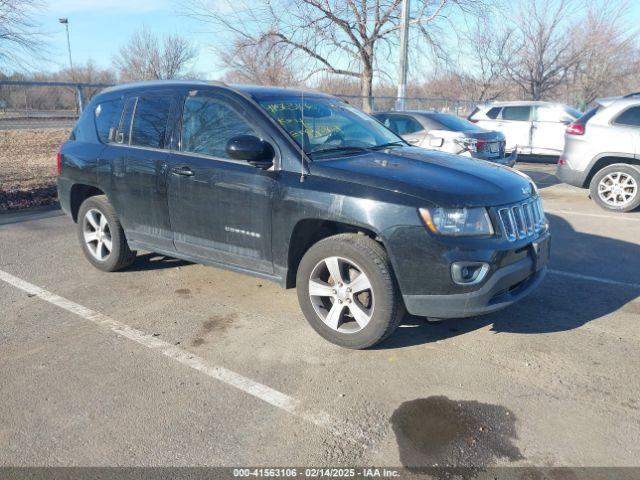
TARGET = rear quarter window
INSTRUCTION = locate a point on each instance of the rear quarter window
(630, 117)
(494, 112)
(107, 115)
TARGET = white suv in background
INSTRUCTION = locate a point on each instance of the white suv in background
(532, 127)
(602, 153)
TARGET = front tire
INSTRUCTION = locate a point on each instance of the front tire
(617, 188)
(101, 236)
(347, 292)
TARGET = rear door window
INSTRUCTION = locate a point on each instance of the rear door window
(107, 116)
(516, 114)
(630, 117)
(150, 121)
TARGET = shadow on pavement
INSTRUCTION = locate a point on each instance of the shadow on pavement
(154, 261)
(561, 303)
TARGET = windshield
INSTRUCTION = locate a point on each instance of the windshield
(452, 122)
(328, 126)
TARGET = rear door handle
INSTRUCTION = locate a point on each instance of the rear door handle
(184, 170)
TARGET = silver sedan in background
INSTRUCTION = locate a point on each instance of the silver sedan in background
(448, 133)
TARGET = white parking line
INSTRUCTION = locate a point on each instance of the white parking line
(613, 216)
(595, 279)
(263, 392)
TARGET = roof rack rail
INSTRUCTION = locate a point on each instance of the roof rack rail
(629, 95)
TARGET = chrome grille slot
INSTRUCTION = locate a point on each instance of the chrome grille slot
(522, 220)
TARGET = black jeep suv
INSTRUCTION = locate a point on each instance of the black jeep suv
(305, 190)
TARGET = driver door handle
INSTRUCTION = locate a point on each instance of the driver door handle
(184, 170)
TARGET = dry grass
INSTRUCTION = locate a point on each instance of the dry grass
(28, 166)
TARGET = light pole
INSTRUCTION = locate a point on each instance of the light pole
(65, 22)
(404, 47)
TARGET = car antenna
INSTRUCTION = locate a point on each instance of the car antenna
(302, 137)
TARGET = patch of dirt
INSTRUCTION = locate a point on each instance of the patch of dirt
(216, 323)
(28, 167)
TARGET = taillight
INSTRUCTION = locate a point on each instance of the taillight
(59, 162)
(480, 145)
(575, 129)
(561, 161)
(473, 121)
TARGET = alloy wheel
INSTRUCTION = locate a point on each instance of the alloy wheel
(97, 234)
(617, 189)
(341, 294)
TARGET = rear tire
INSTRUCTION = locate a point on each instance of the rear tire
(617, 188)
(359, 308)
(101, 236)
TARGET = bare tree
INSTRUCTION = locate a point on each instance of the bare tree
(341, 37)
(18, 30)
(146, 57)
(609, 53)
(478, 70)
(265, 63)
(542, 49)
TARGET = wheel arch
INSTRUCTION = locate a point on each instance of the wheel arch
(308, 232)
(605, 160)
(78, 194)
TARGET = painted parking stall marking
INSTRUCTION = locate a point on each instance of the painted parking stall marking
(295, 407)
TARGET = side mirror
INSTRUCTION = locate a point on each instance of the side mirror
(436, 142)
(252, 150)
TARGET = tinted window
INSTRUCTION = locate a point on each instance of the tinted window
(629, 117)
(150, 122)
(107, 115)
(124, 126)
(518, 114)
(451, 122)
(208, 124)
(402, 124)
(494, 112)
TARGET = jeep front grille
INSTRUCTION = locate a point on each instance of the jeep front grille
(522, 220)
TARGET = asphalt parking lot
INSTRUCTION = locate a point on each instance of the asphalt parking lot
(170, 363)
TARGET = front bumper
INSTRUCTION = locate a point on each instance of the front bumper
(504, 287)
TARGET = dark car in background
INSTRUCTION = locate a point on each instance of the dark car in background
(305, 190)
(448, 133)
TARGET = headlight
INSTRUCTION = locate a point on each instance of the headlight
(461, 222)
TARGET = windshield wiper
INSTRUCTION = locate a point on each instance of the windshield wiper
(387, 145)
(336, 150)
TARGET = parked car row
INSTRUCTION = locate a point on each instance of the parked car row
(448, 133)
(598, 150)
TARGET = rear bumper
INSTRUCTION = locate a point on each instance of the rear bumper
(506, 286)
(508, 160)
(569, 176)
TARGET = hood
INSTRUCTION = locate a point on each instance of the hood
(439, 178)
